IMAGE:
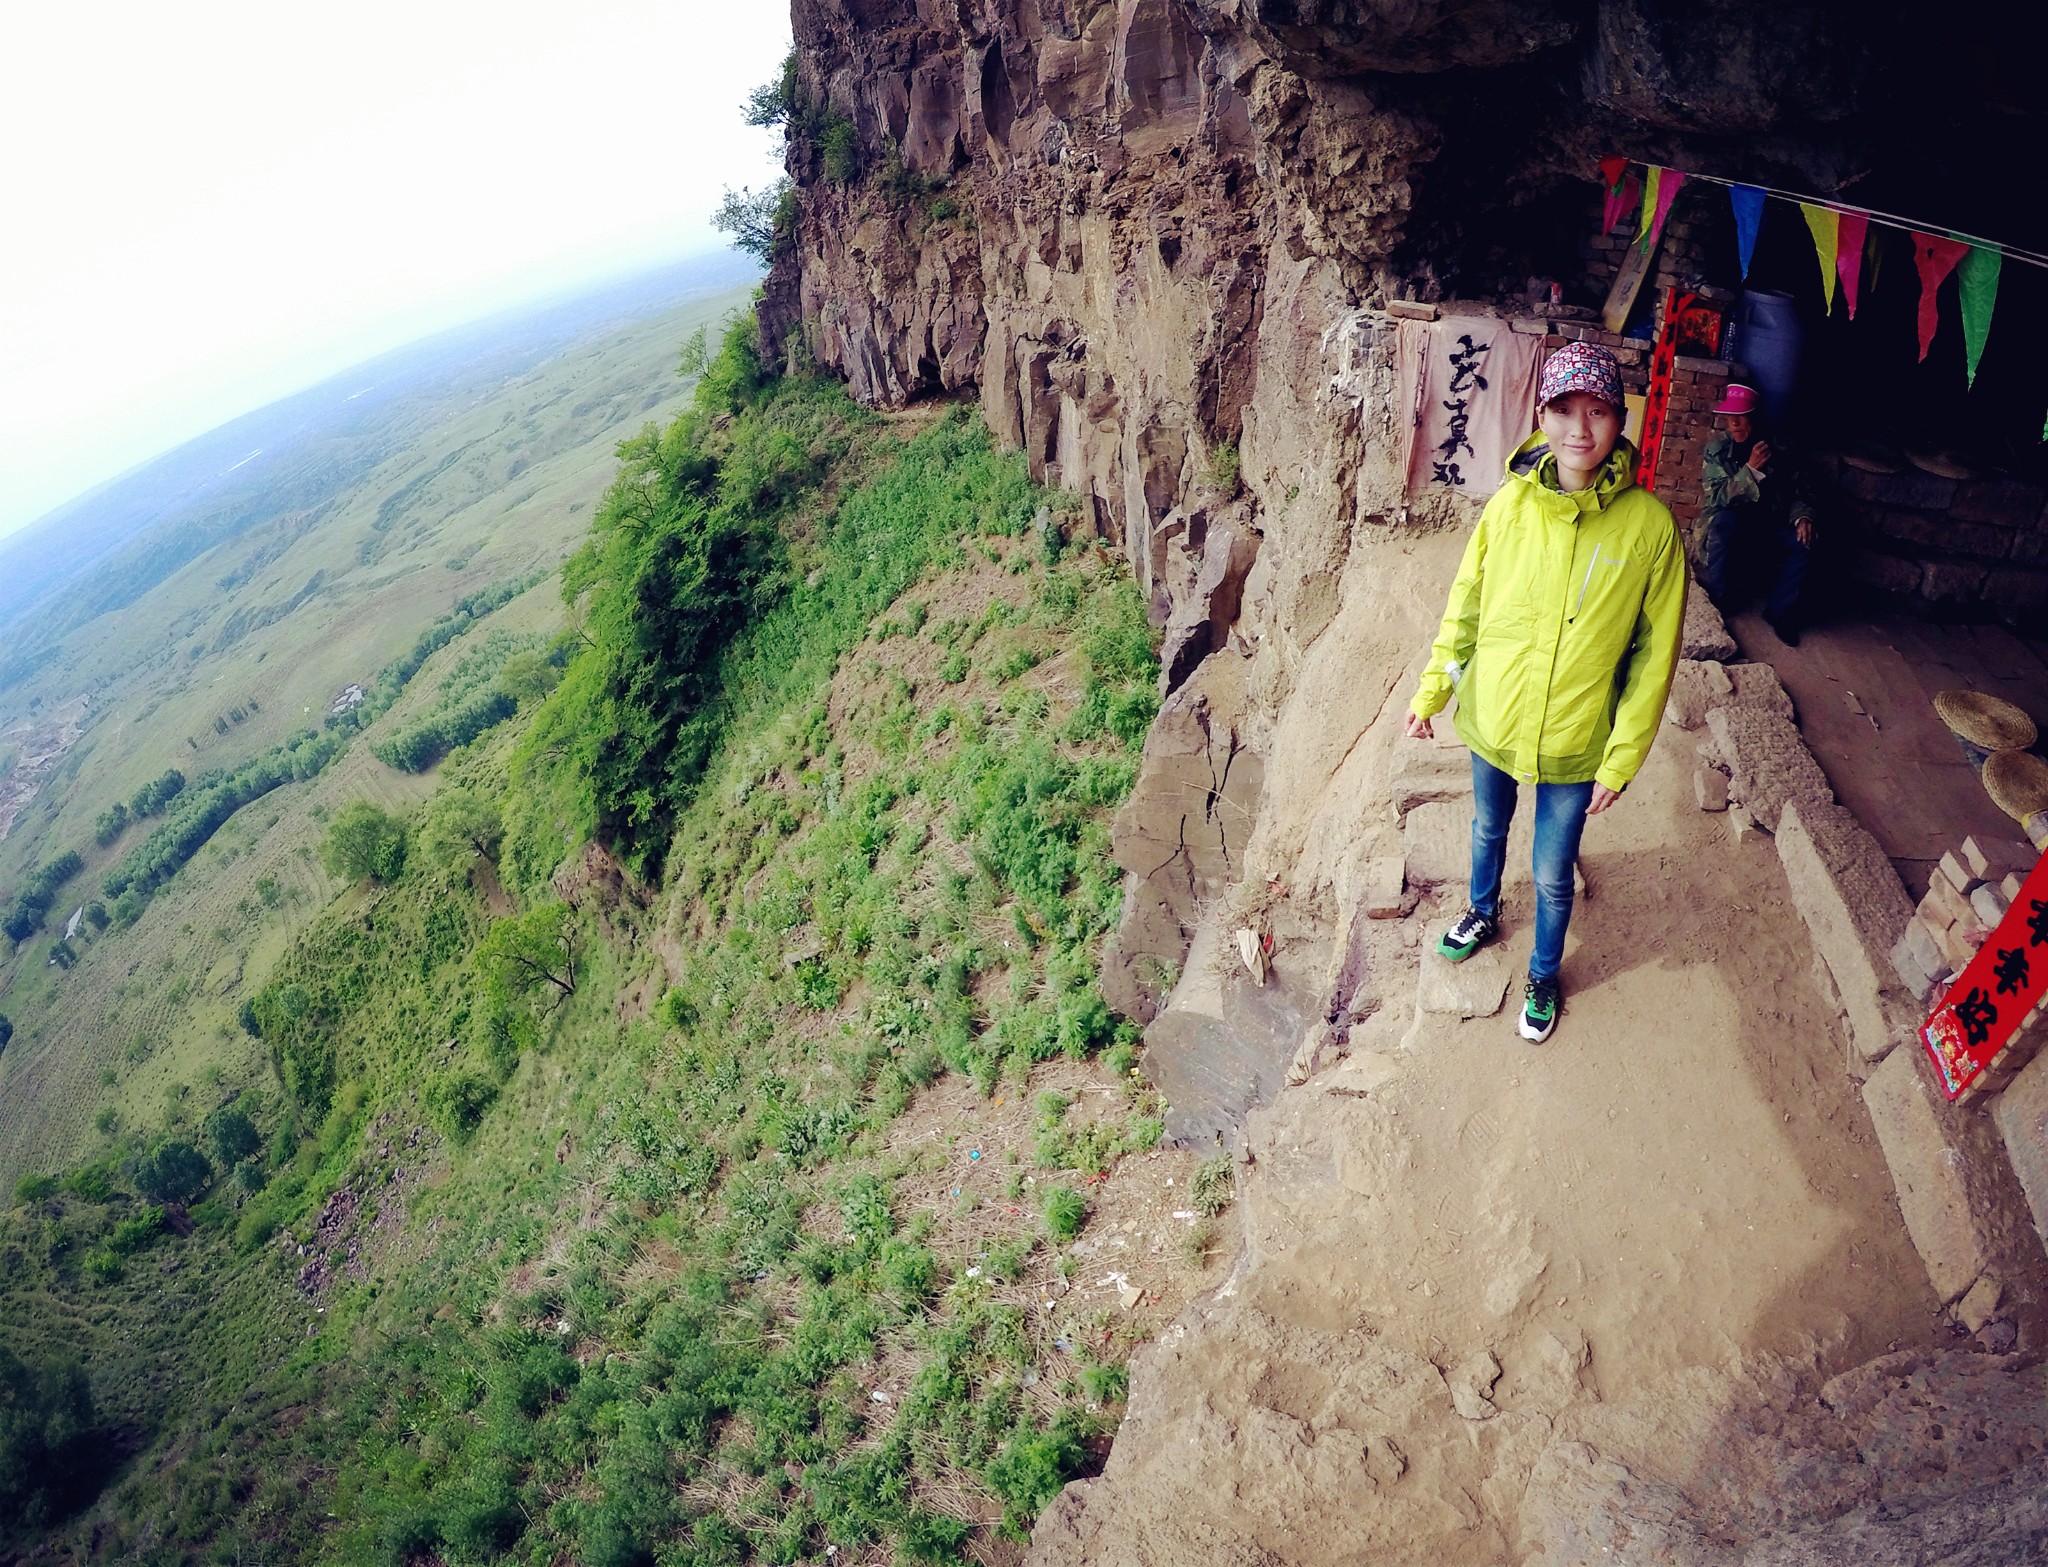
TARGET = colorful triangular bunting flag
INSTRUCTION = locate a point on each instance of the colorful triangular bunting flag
(1934, 257)
(1977, 283)
(1850, 233)
(1614, 182)
(1748, 203)
(1823, 222)
(1659, 192)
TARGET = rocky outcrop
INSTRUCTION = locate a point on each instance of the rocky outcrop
(1156, 239)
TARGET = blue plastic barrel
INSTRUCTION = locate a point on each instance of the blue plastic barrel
(1769, 344)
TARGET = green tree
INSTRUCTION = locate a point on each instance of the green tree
(173, 1171)
(534, 953)
(231, 1135)
(459, 826)
(45, 1412)
(6, 1030)
(773, 103)
(527, 677)
(763, 222)
(364, 842)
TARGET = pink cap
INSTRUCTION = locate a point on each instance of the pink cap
(1738, 399)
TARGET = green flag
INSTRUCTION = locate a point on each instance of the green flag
(1977, 283)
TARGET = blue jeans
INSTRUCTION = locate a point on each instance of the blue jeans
(1745, 530)
(1560, 819)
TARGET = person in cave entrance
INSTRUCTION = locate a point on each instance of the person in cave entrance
(1756, 507)
(1559, 640)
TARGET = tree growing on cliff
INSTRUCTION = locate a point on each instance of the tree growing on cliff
(364, 843)
(774, 102)
(535, 952)
(762, 223)
(460, 827)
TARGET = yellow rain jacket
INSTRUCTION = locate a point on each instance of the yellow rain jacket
(1563, 626)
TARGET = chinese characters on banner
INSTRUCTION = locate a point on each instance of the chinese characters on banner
(2000, 986)
(1468, 387)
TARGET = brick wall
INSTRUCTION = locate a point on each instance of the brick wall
(1929, 542)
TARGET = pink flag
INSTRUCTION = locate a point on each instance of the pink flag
(1935, 256)
(1849, 255)
(1657, 198)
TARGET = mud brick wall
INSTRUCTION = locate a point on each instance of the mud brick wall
(1937, 544)
(1690, 228)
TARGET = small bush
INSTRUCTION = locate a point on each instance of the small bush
(839, 147)
(458, 1101)
(1066, 1210)
(1214, 1185)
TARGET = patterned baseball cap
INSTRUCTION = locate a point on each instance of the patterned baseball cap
(1582, 367)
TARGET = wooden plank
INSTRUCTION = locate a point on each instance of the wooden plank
(1628, 282)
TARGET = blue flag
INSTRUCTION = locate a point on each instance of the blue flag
(1748, 203)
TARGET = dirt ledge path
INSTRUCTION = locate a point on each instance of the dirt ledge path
(1641, 1294)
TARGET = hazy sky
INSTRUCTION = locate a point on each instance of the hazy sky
(206, 206)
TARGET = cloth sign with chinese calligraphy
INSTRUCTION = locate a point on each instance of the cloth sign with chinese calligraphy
(1467, 396)
(1996, 990)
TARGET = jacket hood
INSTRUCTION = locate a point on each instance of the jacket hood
(1535, 462)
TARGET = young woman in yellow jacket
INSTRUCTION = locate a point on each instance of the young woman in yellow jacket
(1559, 641)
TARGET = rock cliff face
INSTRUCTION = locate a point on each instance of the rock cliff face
(1152, 237)
(1143, 231)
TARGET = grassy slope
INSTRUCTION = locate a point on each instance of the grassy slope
(159, 675)
(699, 1280)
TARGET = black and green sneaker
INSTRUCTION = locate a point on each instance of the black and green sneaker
(1540, 1003)
(1472, 931)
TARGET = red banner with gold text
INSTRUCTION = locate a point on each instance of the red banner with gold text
(1996, 990)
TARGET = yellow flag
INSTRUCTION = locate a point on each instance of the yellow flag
(1826, 225)
(1646, 224)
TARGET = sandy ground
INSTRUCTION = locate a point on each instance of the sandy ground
(1666, 1228)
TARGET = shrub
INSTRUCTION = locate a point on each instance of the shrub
(839, 148)
(1029, 1472)
(1214, 1185)
(457, 1102)
(1066, 1210)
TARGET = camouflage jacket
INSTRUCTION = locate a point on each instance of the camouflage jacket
(1727, 479)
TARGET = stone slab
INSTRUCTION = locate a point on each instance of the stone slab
(1475, 988)
(1697, 685)
(1436, 844)
(1917, 960)
(2021, 1116)
(1710, 788)
(1758, 685)
(1384, 878)
(1427, 772)
(1964, 1208)
(1705, 634)
(1856, 910)
(1768, 763)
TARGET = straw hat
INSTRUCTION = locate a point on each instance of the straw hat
(2017, 782)
(1985, 721)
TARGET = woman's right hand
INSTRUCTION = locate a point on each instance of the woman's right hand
(1418, 728)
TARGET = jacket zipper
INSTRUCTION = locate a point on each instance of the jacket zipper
(1595, 561)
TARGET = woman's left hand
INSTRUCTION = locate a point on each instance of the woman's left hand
(1602, 798)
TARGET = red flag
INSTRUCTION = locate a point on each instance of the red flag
(1849, 254)
(1935, 256)
(1614, 183)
